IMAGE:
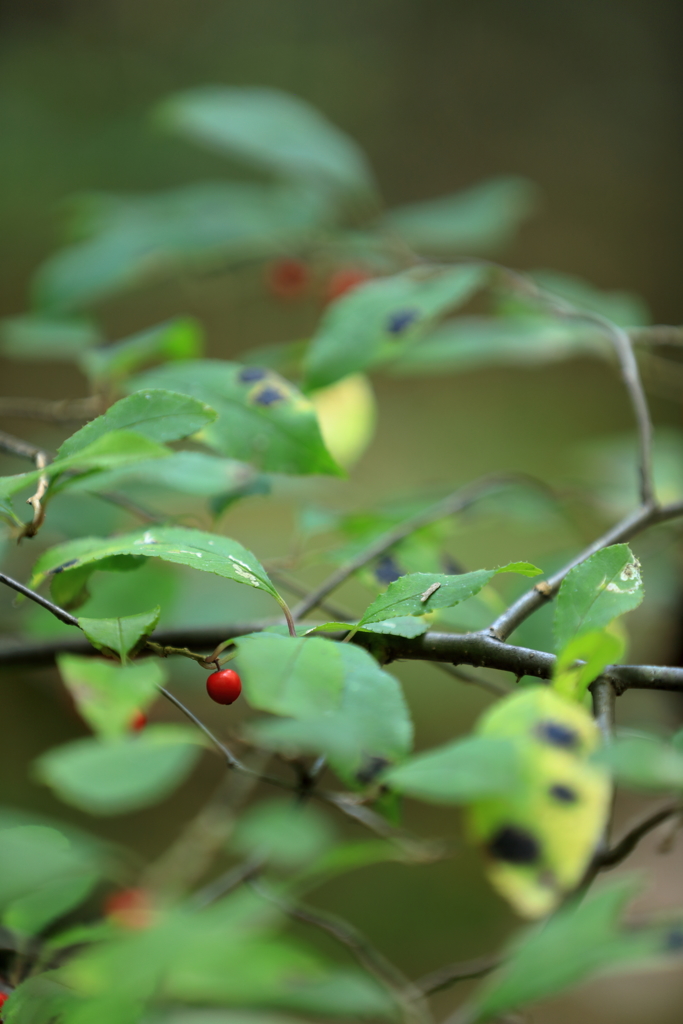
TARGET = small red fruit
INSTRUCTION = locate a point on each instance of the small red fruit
(343, 281)
(287, 279)
(224, 687)
(138, 721)
(130, 908)
(4, 996)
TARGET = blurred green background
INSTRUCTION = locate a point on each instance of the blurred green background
(585, 100)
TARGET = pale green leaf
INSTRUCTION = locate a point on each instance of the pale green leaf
(156, 414)
(287, 834)
(195, 473)
(644, 762)
(596, 592)
(623, 308)
(113, 776)
(262, 418)
(422, 592)
(596, 650)
(109, 695)
(122, 634)
(407, 626)
(178, 339)
(31, 913)
(460, 772)
(377, 321)
(38, 337)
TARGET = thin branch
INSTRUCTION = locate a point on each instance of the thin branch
(658, 334)
(225, 751)
(464, 970)
(336, 613)
(69, 410)
(227, 882)
(17, 446)
(604, 707)
(58, 612)
(25, 450)
(407, 995)
(629, 527)
(627, 844)
(456, 502)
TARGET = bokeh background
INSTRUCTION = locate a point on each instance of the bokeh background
(582, 98)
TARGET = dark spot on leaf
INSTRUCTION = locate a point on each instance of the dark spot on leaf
(398, 322)
(558, 735)
(387, 570)
(673, 942)
(514, 845)
(269, 396)
(565, 794)
(66, 565)
(371, 769)
(252, 373)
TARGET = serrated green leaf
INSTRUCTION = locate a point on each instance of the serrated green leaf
(597, 650)
(122, 634)
(262, 418)
(206, 551)
(134, 240)
(113, 776)
(341, 703)
(596, 592)
(178, 339)
(270, 130)
(156, 414)
(109, 695)
(406, 626)
(581, 940)
(460, 772)
(376, 321)
(477, 220)
(422, 592)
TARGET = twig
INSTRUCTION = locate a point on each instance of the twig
(657, 334)
(336, 613)
(627, 844)
(58, 612)
(464, 970)
(407, 995)
(225, 751)
(604, 707)
(629, 527)
(227, 882)
(26, 450)
(456, 502)
(69, 410)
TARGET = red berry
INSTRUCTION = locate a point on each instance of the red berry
(4, 996)
(224, 687)
(287, 279)
(138, 721)
(130, 908)
(343, 281)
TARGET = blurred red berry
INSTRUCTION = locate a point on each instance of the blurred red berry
(130, 908)
(224, 687)
(138, 721)
(343, 281)
(287, 279)
(4, 996)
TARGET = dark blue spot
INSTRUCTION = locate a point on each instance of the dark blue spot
(386, 570)
(514, 845)
(558, 735)
(565, 794)
(673, 942)
(66, 565)
(269, 396)
(251, 373)
(398, 322)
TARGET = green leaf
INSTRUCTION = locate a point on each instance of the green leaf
(134, 241)
(156, 414)
(29, 914)
(460, 772)
(39, 337)
(122, 634)
(33, 857)
(116, 775)
(472, 342)
(342, 704)
(597, 650)
(196, 473)
(206, 551)
(288, 835)
(480, 219)
(645, 762)
(271, 130)
(108, 695)
(418, 592)
(596, 592)
(262, 418)
(377, 321)
(181, 338)
(405, 625)
(623, 308)
(580, 941)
